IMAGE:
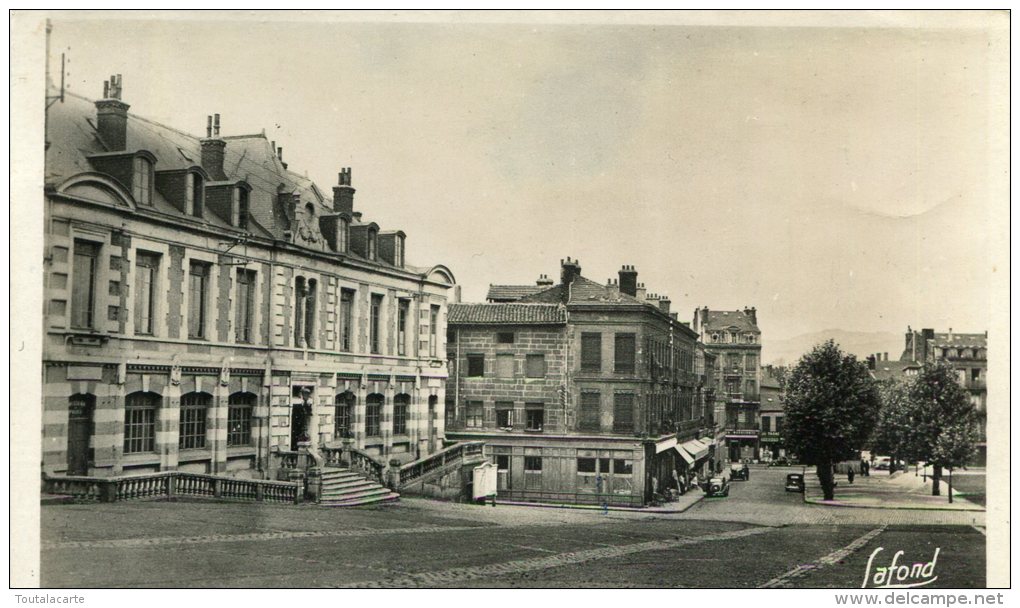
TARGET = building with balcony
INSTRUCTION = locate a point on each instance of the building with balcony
(583, 392)
(208, 309)
(771, 440)
(735, 340)
(966, 353)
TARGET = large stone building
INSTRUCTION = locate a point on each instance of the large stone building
(582, 391)
(734, 338)
(207, 309)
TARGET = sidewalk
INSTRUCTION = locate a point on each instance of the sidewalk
(901, 490)
(682, 503)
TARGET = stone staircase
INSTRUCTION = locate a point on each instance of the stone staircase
(347, 488)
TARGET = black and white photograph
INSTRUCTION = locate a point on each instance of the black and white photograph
(511, 300)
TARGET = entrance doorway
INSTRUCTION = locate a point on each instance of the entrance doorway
(300, 414)
(80, 427)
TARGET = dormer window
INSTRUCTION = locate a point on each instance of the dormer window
(398, 251)
(242, 209)
(195, 202)
(343, 236)
(141, 181)
(372, 245)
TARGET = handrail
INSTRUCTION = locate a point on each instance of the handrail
(169, 484)
(364, 462)
(456, 453)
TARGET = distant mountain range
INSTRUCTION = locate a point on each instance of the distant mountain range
(861, 343)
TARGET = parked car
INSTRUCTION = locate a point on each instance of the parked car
(740, 470)
(882, 463)
(795, 482)
(718, 486)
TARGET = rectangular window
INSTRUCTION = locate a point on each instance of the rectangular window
(376, 315)
(346, 318)
(750, 362)
(242, 208)
(534, 416)
(624, 353)
(505, 337)
(591, 416)
(475, 366)
(373, 419)
(198, 286)
(623, 413)
(245, 306)
(505, 414)
(504, 366)
(83, 288)
(433, 331)
(192, 429)
(139, 430)
(239, 425)
(532, 472)
(474, 415)
(591, 352)
(535, 366)
(399, 418)
(503, 471)
(766, 424)
(586, 465)
(403, 310)
(146, 272)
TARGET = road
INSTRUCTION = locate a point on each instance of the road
(758, 536)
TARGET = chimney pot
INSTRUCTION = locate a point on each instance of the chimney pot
(628, 280)
(111, 116)
(216, 125)
(343, 194)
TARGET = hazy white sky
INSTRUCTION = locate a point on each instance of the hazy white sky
(831, 177)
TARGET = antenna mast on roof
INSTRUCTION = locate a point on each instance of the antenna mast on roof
(52, 99)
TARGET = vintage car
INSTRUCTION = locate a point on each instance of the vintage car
(795, 482)
(718, 486)
(740, 470)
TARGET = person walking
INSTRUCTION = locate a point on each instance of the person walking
(850, 475)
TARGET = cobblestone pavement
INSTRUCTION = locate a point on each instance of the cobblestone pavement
(758, 536)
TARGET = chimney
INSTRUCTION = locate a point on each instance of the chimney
(343, 194)
(544, 281)
(614, 288)
(111, 116)
(213, 149)
(569, 270)
(279, 155)
(871, 362)
(885, 356)
(664, 304)
(639, 292)
(752, 314)
(628, 280)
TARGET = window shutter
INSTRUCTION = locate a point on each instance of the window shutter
(591, 352)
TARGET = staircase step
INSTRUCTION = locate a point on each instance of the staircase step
(348, 487)
(379, 491)
(341, 475)
(388, 497)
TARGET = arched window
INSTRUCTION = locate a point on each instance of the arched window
(401, 405)
(373, 415)
(300, 292)
(194, 410)
(141, 181)
(140, 422)
(310, 303)
(239, 413)
(195, 202)
(343, 412)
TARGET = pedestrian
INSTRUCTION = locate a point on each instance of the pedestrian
(694, 482)
(850, 475)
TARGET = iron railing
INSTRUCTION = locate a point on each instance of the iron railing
(455, 454)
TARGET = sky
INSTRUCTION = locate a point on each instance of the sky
(833, 177)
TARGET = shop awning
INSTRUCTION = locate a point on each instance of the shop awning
(696, 449)
(707, 441)
(665, 444)
(683, 454)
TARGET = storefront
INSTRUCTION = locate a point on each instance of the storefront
(742, 445)
(772, 446)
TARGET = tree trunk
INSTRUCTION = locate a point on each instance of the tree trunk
(824, 471)
(936, 476)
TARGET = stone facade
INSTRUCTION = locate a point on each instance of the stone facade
(206, 308)
(581, 391)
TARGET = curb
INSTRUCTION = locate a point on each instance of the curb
(549, 505)
(821, 502)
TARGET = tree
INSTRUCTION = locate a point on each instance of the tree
(945, 423)
(832, 405)
(894, 432)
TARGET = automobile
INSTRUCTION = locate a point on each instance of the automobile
(795, 482)
(740, 470)
(882, 463)
(718, 486)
